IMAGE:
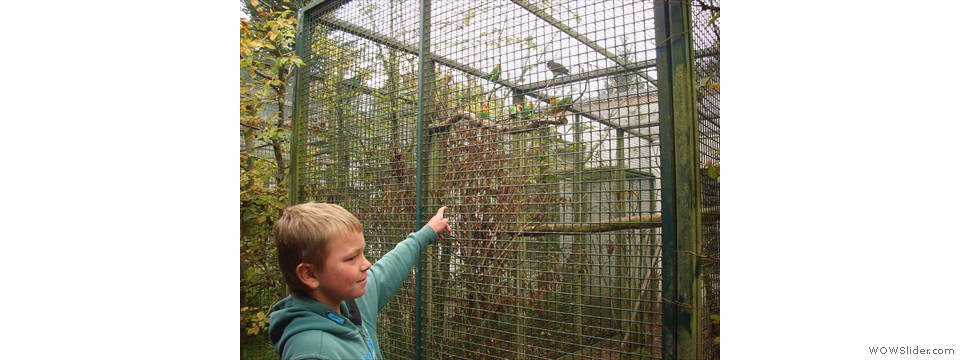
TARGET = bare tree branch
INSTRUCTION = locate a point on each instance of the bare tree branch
(265, 76)
(650, 221)
(473, 120)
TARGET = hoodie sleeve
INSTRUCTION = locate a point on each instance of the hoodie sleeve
(389, 272)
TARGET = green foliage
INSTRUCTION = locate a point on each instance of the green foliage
(714, 172)
(253, 319)
(267, 61)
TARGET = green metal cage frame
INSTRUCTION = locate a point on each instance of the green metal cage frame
(680, 119)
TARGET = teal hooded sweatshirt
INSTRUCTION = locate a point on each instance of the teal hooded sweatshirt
(303, 328)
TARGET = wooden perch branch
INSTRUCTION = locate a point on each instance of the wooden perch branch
(709, 215)
(473, 120)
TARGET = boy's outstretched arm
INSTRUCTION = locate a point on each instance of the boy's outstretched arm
(394, 267)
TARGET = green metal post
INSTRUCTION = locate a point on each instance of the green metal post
(293, 190)
(422, 94)
(680, 179)
(621, 296)
(579, 251)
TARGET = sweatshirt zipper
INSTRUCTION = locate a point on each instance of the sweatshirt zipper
(368, 341)
(364, 337)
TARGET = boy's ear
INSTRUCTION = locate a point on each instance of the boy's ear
(307, 275)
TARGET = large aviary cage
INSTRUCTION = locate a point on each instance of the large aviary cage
(567, 140)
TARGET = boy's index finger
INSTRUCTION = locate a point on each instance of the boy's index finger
(440, 212)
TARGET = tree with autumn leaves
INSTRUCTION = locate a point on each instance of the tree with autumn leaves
(267, 63)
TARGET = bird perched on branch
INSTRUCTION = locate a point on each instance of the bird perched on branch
(485, 112)
(557, 68)
(527, 112)
(558, 107)
(515, 110)
(494, 74)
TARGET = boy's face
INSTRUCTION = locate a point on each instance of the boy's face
(344, 274)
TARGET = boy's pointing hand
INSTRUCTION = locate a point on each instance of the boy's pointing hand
(440, 223)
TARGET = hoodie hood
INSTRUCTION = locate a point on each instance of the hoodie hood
(301, 327)
(295, 314)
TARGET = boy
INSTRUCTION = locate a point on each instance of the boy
(336, 293)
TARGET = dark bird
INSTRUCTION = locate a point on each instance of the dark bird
(557, 68)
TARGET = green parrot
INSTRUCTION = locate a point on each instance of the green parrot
(554, 107)
(527, 111)
(494, 74)
(558, 107)
(485, 113)
(515, 110)
(565, 103)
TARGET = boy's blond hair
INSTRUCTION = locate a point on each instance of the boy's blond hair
(302, 234)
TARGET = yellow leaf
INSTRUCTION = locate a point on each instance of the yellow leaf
(253, 331)
(253, 2)
(272, 35)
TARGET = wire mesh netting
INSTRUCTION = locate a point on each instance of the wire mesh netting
(706, 38)
(539, 130)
